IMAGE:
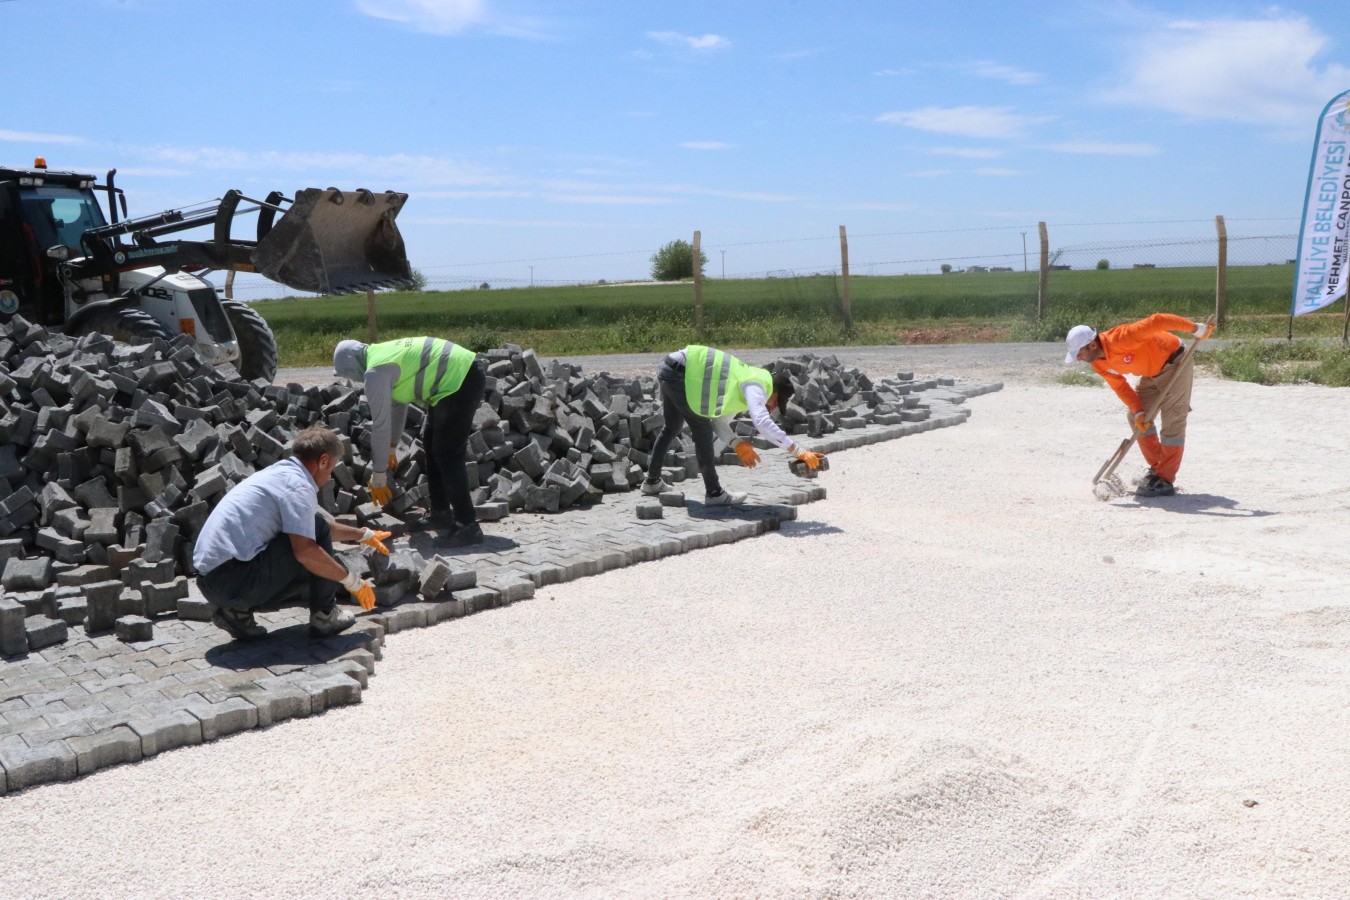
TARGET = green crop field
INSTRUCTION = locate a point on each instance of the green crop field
(793, 312)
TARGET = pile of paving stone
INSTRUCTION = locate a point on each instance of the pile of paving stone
(111, 457)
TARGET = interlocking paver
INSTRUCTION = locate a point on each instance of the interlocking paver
(95, 701)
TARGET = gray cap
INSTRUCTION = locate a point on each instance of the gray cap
(349, 360)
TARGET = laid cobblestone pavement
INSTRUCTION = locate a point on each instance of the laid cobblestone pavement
(92, 702)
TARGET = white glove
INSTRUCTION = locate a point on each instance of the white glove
(1201, 330)
(379, 480)
(352, 582)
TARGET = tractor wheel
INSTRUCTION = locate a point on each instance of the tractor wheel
(126, 324)
(257, 344)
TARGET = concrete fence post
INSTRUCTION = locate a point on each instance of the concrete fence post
(843, 260)
(1042, 301)
(1221, 275)
(370, 316)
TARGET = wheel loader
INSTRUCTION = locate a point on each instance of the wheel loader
(66, 265)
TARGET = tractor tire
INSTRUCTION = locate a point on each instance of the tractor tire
(126, 324)
(257, 344)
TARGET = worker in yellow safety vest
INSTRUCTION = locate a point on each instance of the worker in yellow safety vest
(703, 388)
(449, 380)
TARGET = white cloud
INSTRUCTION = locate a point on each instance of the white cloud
(401, 167)
(705, 145)
(887, 73)
(448, 17)
(1102, 148)
(611, 199)
(33, 137)
(434, 16)
(966, 152)
(994, 172)
(690, 42)
(1260, 71)
(988, 69)
(966, 121)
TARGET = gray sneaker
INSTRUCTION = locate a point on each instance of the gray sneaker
(239, 623)
(652, 488)
(335, 621)
(726, 498)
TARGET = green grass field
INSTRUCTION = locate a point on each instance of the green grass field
(788, 312)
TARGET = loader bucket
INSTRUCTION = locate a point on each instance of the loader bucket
(336, 242)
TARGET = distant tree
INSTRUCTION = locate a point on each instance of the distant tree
(946, 268)
(1103, 263)
(417, 281)
(484, 286)
(675, 261)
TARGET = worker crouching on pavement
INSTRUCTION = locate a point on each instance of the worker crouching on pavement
(704, 388)
(450, 381)
(268, 537)
(1147, 349)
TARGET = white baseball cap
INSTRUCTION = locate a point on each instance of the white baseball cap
(1079, 337)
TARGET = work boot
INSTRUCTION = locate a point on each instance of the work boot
(238, 622)
(725, 498)
(327, 624)
(465, 533)
(1148, 476)
(652, 488)
(435, 521)
(1155, 487)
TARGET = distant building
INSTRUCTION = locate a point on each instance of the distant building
(1001, 269)
(1145, 266)
(977, 268)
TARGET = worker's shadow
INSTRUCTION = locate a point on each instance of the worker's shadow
(808, 529)
(427, 543)
(748, 512)
(1199, 505)
(287, 646)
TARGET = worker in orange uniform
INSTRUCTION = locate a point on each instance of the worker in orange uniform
(1146, 348)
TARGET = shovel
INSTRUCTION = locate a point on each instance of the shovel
(1109, 467)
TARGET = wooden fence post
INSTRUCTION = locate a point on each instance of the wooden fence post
(698, 281)
(1041, 299)
(1221, 275)
(843, 257)
(370, 315)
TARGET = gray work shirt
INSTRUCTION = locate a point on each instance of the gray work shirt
(281, 499)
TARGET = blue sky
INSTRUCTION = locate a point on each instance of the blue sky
(577, 137)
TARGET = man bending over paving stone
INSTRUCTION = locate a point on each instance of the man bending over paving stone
(268, 536)
(450, 380)
(705, 388)
(1145, 348)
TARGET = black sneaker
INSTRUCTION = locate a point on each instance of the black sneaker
(239, 623)
(1155, 487)
(464, 534)
(437, 521)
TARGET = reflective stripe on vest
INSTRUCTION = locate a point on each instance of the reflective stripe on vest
(713, 379)
(430, 369)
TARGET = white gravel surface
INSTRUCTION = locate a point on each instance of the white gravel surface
(961, 675)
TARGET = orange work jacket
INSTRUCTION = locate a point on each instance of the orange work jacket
(1140, 348)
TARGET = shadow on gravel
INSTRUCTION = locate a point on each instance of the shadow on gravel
(808, 529)
(1198, 505)
(749, 512)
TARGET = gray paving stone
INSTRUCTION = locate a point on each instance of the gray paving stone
(13, 637)
(166, 731)
(43, 631)
(28, 766)
(107, 748)
(224, 718)
(278, 703)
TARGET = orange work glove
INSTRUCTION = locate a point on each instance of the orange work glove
(393, 461)
(1140, 425)
(376, 539)
(380, 494)
(362, 590)
(1204, 331)
(811, 458)
(749, 458)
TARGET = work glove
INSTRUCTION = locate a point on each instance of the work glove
(362, 590)
(749, 458)
(393, 460)
(811, 458)
(1203, 331)
(1140, 424)
(376, 539)
(380, 494)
